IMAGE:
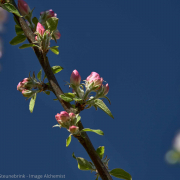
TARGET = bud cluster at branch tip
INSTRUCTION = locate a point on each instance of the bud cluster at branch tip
(68, 121)
(30, 86)
(93, 84)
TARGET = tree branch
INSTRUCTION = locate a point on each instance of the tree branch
(43, 60)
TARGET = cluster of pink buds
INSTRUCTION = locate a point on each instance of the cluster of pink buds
(29, 86)
(93, 83)
(43, 37)
(45, 15)
(68, 121)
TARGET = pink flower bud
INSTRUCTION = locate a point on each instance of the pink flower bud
(20, 85)
(75, 78)
(40, 29)
(27, 93)
(62, 117)
(57, 34)
(48, 14)
(106, 89)
(72, 115)
(23, 7)
(94, 78)
(73, 129)
(25, 80)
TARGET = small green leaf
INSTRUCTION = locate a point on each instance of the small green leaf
(54, 38)
(100, 151)
(55, 69)
(39, 75)
(35, 21)
(99, 103)
(97, 131)
(18, 30)
(55, 99)
(68, 140)
(26, 46)
(78, 119)
(83, 164)
(70, 95)
(73, 155)
(97, 177)
(121, 174)
(47, 92)
(52, 23)
(77, 99)
(54, 49)
(18, 39)
(32, 103)
(10, 8)
(65, 98)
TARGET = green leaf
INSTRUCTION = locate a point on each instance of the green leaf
(55, 99)
(47, 92)
(77, 99)
(97, 131)
(99, 103)
(32, 103)
(100, 151)
(39, 75)
(52, 23)
(121, 174)
(26, 46)
(73, 155)
(55, 69)
(35, 21)
(70, 95)
(97, 177)
(68, 140)
(10, 8)
(65, 98)
(18, 39)
(18, 30)
(54, 38)
(54, 49)
(78, 119)
(83, 164)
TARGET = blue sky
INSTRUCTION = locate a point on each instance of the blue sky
(134, 46)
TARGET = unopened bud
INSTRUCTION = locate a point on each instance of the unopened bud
(40, 29)
(23, 7)
(62, 117)
(94, 81)
(106, 89)
(27, 93)
(75, 78)
(73, 129)
(57, 34)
